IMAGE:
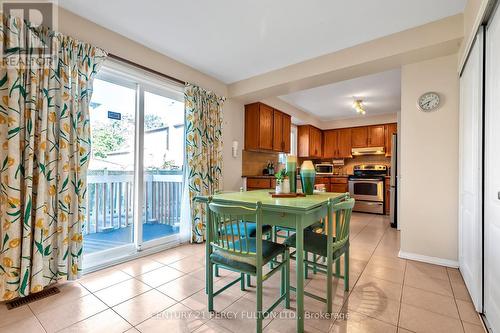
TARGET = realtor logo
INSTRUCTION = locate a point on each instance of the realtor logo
(38, 14)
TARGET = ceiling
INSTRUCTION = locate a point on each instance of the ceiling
(381, 93)
(234, 40)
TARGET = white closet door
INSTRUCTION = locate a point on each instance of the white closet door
(470, 216)
(492, 177)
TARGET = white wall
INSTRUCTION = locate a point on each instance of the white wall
(429, 163)
(233, 130)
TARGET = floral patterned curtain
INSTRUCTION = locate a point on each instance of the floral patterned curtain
(44, 153)
(203, 112)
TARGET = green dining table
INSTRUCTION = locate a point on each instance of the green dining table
(297, 213)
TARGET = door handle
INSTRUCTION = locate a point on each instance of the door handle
(498, 195)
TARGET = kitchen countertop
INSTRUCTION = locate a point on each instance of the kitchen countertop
(317, 176)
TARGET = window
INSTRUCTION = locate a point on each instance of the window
(293, 145)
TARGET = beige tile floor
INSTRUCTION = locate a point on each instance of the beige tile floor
(165, 293)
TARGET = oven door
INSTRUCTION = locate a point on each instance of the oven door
(367, 189)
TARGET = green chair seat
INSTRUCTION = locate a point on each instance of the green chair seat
(247, 264)
(251, 228)
(316, 243)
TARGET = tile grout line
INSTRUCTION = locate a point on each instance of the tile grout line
(90, 293)
(402, 291)
(367, 262)
(34, 314)
(455, 300)
(343, 303)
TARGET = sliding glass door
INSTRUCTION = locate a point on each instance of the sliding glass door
(163, 162)
(135, 173)
(110, 176)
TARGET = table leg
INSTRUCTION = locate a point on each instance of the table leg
(329, 261)
(208, 251)
(300, 273)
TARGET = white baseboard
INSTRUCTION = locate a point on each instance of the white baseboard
(429, 260)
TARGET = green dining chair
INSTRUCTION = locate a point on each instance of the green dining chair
(232, 250)
(317, 244)
(247, 228)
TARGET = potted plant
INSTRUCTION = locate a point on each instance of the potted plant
(282, 182)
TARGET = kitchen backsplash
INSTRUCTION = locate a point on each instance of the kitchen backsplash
(351, 162)
(365, 159)
(255, 162)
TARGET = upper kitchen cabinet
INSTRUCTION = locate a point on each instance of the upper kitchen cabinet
(376, 136)
(391, 129)
(266, 128)
(259, 127)
(368, 136)
(282, 128)
(309, 141)
(344, 143)
(337, 143)
(359, 137)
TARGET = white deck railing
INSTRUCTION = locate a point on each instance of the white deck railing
(110, 199)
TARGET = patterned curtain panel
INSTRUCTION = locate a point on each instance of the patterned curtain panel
(45, 149)
(203, 112)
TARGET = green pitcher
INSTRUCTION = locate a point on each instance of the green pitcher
(308, 176)
(291, 172)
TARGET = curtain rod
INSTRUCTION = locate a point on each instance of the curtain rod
(113, 56)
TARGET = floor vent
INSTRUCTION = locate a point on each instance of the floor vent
(32, 297)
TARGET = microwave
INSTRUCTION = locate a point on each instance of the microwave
(324, 169)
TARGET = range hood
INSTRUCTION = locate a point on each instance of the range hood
(368, 151)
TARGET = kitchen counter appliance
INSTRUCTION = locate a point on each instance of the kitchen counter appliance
(324, 169)
(366, 185)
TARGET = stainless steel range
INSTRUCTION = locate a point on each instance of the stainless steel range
(366, 185)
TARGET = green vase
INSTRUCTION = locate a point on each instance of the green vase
(291, 172)
(307, 176)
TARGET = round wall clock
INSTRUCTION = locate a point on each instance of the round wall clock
(429, 101)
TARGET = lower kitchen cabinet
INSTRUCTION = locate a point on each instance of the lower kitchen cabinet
(259, 183)
(339, 185)
(338, 188)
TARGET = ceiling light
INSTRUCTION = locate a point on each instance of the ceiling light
(358, 106)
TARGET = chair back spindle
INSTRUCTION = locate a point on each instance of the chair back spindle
(228, 227)
(343, 213)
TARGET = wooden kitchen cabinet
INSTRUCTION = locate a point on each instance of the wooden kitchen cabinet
(310, 141)
(282, 125)
(259, 120)
(258, 183)
(266, 128)
(339, 185)
(339, 188)
(359, 137)
(337, 143)
(322, 180)
(376, 136)
(368, 136)
(330, 143)
(344, 144)
(390, 130)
